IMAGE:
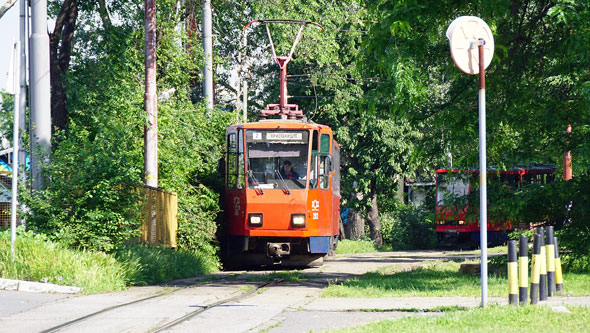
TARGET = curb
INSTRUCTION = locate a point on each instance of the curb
(36, 287)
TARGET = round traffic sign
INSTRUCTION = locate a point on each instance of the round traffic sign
(464, 35)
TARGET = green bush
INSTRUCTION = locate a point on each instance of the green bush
(91, 199)
(408, 228)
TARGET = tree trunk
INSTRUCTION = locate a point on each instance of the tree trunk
(373, 218)
(355, 227)
(60, 51)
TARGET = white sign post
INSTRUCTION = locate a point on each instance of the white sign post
(466, 34)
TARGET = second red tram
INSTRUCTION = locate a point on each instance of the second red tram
(454, 223)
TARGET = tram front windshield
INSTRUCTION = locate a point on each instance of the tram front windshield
(277, 159)
(450, 186)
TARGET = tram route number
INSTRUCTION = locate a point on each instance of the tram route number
(315, 210)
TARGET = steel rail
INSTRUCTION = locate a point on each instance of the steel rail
(213, 305)
(90, 315)
(168, 292)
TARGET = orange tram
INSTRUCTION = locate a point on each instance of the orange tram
(282, 186)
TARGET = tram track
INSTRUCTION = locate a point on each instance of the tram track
(172, 323)
(195, 313)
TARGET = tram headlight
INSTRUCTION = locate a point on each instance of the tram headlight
(298, 220)
(255, 219)
(461, 222)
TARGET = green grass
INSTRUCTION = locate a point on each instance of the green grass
(493, 319)
(40, 260)
(434, 279)
(491, 250)
(347, 246)
(441, 278)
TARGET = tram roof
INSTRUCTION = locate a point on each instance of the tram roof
(281, 123)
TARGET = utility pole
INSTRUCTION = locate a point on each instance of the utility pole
(207, 55)
(567, 158)
(23, 89)
(150, 102)
(245, 78)
(40, 128)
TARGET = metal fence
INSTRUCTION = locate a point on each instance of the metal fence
(5, 197)
(161, 212)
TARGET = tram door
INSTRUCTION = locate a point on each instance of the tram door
(320, 196)
(235, 203)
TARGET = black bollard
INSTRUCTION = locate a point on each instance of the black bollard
(535, 270)
(550, 252)
(512, 274)
(523, 270)
(558, 273)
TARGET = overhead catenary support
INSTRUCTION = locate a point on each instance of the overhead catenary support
(207, 55)
(40, 120)
(150, 101)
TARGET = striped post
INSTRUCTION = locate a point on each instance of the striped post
(512, 274)
(558, 274)
(535, 270)
(543, 264)
(523, 269)
(550, 251)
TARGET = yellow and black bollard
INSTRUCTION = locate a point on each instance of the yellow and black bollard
(535, 270)
(543, 264)
(558, 274)
(550, 252)
(523, 270)
(512, 274)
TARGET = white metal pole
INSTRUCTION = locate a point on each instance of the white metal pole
(15, 139)
(22, 157)
(483, 201)
(208, 55)
(40, 102)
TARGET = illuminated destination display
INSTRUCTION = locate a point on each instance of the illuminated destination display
(284, 136)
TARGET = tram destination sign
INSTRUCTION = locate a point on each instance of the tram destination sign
(284, 136)
(281, 136)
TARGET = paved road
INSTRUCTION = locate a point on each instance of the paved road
(231, 303)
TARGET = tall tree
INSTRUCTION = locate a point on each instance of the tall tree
(60, 53)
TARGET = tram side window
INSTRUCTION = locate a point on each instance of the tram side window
(232, 159)
(324, 171)
(528, 178)
(313, 171)
(336, 167)
(241, 179)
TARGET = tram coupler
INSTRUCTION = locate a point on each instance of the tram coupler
(277, 250)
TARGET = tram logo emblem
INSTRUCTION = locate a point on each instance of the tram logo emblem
(315, 210)
(236, 206)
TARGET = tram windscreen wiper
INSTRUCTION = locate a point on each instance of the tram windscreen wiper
(255, 182)
(285, 188)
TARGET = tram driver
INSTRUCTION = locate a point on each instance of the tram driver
(287, 171)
